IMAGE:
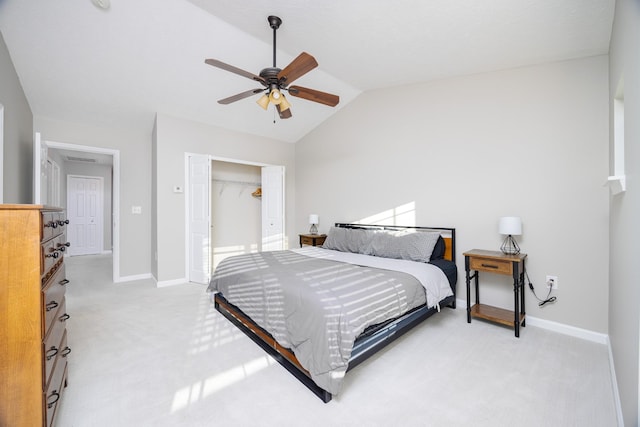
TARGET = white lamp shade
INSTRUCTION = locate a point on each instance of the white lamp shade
(313, 219)
(510, 225)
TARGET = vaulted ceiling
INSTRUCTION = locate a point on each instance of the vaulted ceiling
(119, 66)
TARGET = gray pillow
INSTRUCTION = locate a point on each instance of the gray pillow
(348, 240)
(408, 245)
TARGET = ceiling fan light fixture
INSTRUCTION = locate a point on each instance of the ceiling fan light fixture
(275, 96)
(263, 101)
(102, 4)
(284, 104)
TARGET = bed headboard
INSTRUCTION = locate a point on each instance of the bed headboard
(448, 234)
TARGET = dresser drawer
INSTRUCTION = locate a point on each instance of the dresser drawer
(52, 297)
(53, 223)
(52, 344)
(52, 251)
(54, 391)
(491, 265)
(49, 225)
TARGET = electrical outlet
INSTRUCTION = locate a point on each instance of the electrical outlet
(552, 282)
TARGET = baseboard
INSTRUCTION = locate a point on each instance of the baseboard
(614, 383)
(109, 252)
(584, 334)
(164, 283)
(134, 277)
(573, 331)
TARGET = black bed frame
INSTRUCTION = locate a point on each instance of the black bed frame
(365, 346)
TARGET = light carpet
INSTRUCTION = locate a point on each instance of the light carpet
(147, 356)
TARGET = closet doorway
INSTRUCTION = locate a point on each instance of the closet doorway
(236, 210)
(233, 207)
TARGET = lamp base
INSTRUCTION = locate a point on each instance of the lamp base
(313, 229)
(509, 246)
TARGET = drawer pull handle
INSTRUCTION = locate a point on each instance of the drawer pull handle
(52, 224)
(62, 223)
(65, 352)
(64, 317)
(63, 282)
(54, 255)
(53, 394)
(63, 246)
(490, 266)
(50, 306)
(51, 353)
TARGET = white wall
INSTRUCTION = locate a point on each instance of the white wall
(135, 182)
(173, 138)
(624, 306)
(17, 158)
(465, 151)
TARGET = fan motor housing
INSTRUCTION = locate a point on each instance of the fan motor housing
(270, 75)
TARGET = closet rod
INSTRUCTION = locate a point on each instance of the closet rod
(225, 181)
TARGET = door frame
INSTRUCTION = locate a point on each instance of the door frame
(100, 215)
(187, 201)
(115, 193)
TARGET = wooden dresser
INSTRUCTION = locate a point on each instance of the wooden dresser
(33, 360)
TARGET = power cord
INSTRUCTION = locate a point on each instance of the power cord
(548, 298)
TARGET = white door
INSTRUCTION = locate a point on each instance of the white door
(40, 156)
(84, 211)
(199, 219)
(273, 208)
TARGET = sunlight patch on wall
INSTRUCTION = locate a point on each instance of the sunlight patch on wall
(402, 215)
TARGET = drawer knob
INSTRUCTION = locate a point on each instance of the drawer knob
(52, 224)
(50, 306)
(54, 255)
(64, 317)
(62, 223)
(56, 396)
(51, 353)
(65, 352)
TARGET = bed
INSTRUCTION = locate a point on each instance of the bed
(321, 311)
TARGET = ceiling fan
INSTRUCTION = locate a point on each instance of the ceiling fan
(275, 80)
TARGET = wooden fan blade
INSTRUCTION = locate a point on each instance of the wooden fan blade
(235, 70)
(240, 96)
(298, 67)
(314, 95)
(286, 114)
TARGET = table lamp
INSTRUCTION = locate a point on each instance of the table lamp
(313, 220)
(510, 226)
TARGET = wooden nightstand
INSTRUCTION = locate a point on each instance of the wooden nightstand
(497, 263)
(312, 239)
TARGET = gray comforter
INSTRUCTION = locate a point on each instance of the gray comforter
(317, 306)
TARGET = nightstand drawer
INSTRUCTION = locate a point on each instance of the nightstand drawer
(312, 239)
(306, 240)
(491, 265)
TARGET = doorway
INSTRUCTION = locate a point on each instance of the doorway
(82, 160)
(238, 208)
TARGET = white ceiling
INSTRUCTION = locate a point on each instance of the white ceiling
(119, 67)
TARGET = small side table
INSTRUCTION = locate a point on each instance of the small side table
(312, 239)
(497, 263)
